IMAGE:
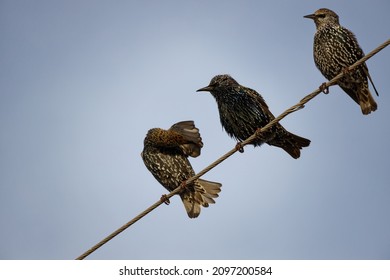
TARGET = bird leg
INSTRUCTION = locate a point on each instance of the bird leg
(324, 88)
(183, 186)
(348, 74)
(239, 147)
(346, 71)
(263, 136)
(164, 199)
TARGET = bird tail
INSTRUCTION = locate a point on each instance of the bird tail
(291, 143)
(362, 95)
(202, 193)
(367, 105)
(366, 101)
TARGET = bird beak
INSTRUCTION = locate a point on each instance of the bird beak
(312, 16)
(208, 88)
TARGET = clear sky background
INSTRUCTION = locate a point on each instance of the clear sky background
(81, 82)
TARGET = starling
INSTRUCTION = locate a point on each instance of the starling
(335, 48)
(242, 111)
(165, 155)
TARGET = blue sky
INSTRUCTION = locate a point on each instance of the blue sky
(82, 81)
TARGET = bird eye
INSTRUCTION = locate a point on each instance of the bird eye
(321, 15)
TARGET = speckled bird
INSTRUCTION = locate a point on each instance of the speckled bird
(334, 49)
(242, 111)
(165, 154)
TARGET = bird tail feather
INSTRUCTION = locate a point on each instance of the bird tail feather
(292, 144)
(367, 102)
(203, 194)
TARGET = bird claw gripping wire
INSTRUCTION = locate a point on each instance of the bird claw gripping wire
(183, 186)
(240, 147)
(346, 71)
(324, 88)
(164, 199)
(263, 136)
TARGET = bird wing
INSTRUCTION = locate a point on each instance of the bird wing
(192, 142)
(255, 95)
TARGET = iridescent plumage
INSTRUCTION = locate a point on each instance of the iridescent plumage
(242, 110)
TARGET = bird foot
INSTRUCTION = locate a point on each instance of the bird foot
(164, 199)
(346, 70)
(183, 186)
(240, 147)
(324, 88)
(262, 136)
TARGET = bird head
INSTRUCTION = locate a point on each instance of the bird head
(324, 16)
(220, 83)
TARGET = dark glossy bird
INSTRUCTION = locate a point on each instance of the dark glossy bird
(334, 49)
(165, 155)
(242, 111)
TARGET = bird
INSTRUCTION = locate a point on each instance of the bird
(165, 155)
(334, 49)
(242, 111)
